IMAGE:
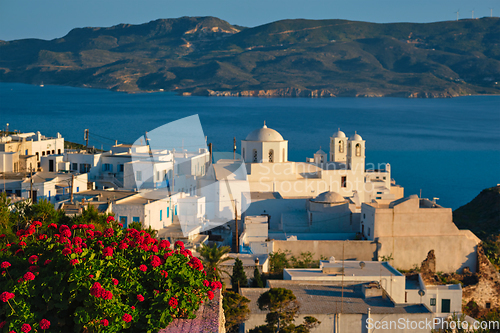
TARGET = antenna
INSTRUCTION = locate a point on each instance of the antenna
(491, 12)
(473, 14)
(458, 11)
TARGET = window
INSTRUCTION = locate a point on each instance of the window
(136, 219)
(138, 175)
(120, 167)
(49, 195)
(123, 220)
(161, 214)
(37, 157)
(53, 152)
(84, 168)
(271, 156)
(343, 181)
(74, 166)
(254, 158)
(175, 210)
(445, 305)
(433, 302)
(48, 152)
(358, 149)
(43, 153)
(26, 152)
(168, 212)
(107, 167)
(378, 198)
(379, 192)
(78, 189)
(341, 146)
(59, 152)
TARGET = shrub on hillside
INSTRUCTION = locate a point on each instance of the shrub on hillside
(79, 279)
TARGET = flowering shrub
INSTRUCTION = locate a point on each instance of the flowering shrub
(79, 279)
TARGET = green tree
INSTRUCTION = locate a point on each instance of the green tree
(235, 310)
(213, 257)
(283, 307)
(257, 280)
(239, 278)
(278, 261)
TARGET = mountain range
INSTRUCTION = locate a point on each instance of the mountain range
(295, 58)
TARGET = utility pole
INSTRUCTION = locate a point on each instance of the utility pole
(236, 224)
(234, 148)
(31, 183)
(86, 137)
(71, 191)
(210, 151)
(343, 273)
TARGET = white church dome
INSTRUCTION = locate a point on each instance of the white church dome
(339, 134)
(320, 152)
(356, 137)
(264, 134)
(329, 197)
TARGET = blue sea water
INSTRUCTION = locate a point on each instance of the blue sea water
(446, 148)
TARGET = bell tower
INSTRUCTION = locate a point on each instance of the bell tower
(338, 147)
(356, 152)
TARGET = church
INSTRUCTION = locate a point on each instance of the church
(343, 170)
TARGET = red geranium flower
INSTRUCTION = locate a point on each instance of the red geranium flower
(2, 324)
(173, 302)
(110, 219)
(5, 264)
(140, 298)
(179, 244)
(164, 244)
(33, 259)
(115, 282)
(155, 261)
(5, 296)
(107, 252)
(127, 318)
(106, 294)
(66, 251)
(74, 262)
(48, 261)
(104, 322)
(210, 295)
(26, 328)
(143, 268)
(29, 276)
(44, 324)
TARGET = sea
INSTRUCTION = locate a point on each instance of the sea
(439, 148)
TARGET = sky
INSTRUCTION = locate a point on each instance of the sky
(49, 19)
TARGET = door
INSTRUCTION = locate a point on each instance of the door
(445, 305)
(51, 165)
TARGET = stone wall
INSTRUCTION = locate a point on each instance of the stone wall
(487, 290)
(349, 250)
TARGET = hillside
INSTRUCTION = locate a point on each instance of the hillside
(481, 215)
(208, 56)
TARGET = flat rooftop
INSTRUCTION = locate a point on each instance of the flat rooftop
(316, 298)
(351, 268)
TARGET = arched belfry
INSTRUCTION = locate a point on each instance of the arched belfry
(264, 145)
